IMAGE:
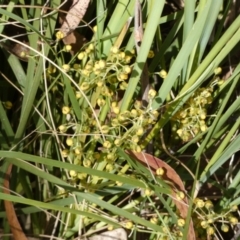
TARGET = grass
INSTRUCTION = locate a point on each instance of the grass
(67, 120)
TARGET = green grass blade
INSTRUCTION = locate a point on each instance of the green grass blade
(50, 206)
(210, 22)
(181, 59)
(219, 159)
(119, 17)
(117, 210)
(14, 158)
(151, 26)
(222, 43)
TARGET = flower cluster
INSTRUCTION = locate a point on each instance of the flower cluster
(190, 120)
(206, 218)
(103, 126)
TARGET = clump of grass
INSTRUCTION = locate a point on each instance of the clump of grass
(78, 114)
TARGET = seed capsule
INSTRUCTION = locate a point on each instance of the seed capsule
(208, 204)
(129, 225)
(160, 171)
(68, 48)
(66, 67)
(73, 173)
(107, 144)
(234, 208)
(8, 104)
(59, 35)
(180, 195)
(127, 69)
(148, 192)
(233, 220)
(69, 141)
(154, 220)
(65, 110)
(210, 231)
(64, 153)
(62, 128)
(218, 71)
(163, 74)
(199, 203)
(151, 54)
(114, 50)
(102, 64)
(204, 224)
(81, 55)
(225, 228)
(181, 222)
(152, 93)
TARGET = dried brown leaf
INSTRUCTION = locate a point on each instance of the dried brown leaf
(13, 222)
(74, 16)
(76, 40)
(72, 37)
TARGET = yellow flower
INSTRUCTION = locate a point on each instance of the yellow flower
(68, 48)
(225, 228)
(78, 95)
(119, 184)
(95, 29)
(102, 64)
(69, 141)
(101, 102)
(122, 76)
(109, 167)
(234, 208)
(107, 144)
(66, 67)
(160, 171)
(135, 139)
(72, 173)
(204, 224)
(114, 50)
(51, 69)
(81, 55)
(121, 55)
(84, 86)
(208, 204)
(154, 220)
(218, 71)
(180, 222)
(163, 74)
(180, 195)
(140, 130)
(199, 203)
(64, 153)
(62, 128)
(152, 93)
(148, 192)
(8, 104)
(210, 231)
(233, 220)
(116, 110)
(127, 69)
(150, 54)
(65, 110)
(138, 149)
(59, 35)
(129, 225)
(91, 47)
(110, 227)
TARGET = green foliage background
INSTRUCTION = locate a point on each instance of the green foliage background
(189, 43)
